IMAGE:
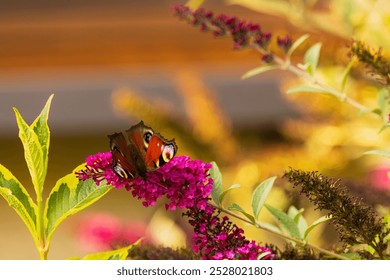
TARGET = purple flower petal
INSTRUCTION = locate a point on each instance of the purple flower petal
(187, 185)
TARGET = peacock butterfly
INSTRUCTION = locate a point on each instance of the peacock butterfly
(139, 150)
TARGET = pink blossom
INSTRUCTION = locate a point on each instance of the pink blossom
(100, 232)
(187, 185)
(242, 32)
(379, 177)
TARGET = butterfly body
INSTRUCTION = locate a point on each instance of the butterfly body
(139, 150)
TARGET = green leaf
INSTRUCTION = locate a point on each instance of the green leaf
(366, 111)
(236, 207)
(383, 102)
(294, 213)
(346, 74)
(376, 111)
(33, 153)
(311, 58)
(216, 175)
(270, 227)
(259, 70)
(378, 152)
(303, 67)
(383, 98)
(119, 254)
(297, 216)
(285, 222)
(68, 197)
(296, 44)
(317, 222)
(224, 193)
(19, 199)
(42, 130)
(305, 88)
(260, 194)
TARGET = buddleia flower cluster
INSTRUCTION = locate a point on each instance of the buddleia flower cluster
(243, 33)
(187, 185)
(374, 60)
(355, 221)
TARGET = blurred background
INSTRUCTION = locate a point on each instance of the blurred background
(113, 63)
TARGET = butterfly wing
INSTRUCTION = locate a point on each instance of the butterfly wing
(159, 152)
(139, 150)
(138, 137)
(121, 156)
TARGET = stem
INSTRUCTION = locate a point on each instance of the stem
(287, 66)
(42, 246)
(282, 235)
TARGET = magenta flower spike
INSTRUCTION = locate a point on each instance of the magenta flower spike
(187, 185)
(243, 32)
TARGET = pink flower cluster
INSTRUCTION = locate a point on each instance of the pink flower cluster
(379, 177)
(284, 43)
(242, 32)
(187, 185)
(100, 231)
(218, 238)
(98, 167)
(181, 180)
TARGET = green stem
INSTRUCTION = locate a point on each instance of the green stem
(287, 66)
(42, 246)
(282, 235)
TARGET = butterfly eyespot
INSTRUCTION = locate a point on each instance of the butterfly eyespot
(139, 150)
(147, 136)
(168, 153)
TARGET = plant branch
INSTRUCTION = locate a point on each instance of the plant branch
(284, 236)
(42, 249)
(245, 34)
(287, 66)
